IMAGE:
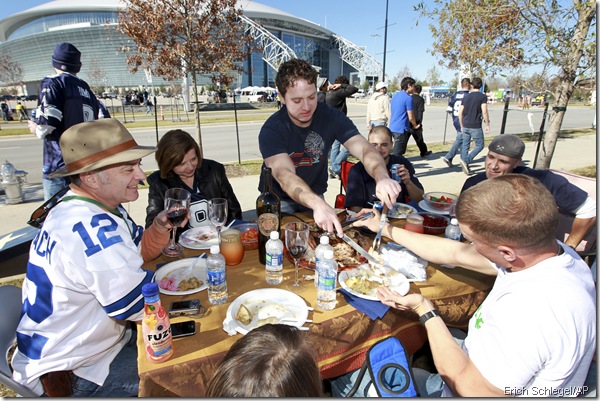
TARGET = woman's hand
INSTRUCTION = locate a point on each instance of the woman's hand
(371, 223)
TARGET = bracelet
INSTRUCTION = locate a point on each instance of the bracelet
(426, 316)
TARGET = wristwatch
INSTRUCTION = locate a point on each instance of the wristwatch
(426, 316)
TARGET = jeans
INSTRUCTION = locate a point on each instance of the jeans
(400, 141)
(477, 135)
(338, 154)
(53, 185)
(122, 381)
(456, 147)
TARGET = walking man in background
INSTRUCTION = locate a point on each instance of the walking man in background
(379, 108)
(403, 116)
(419, 109)
(470, 114)
(453, 107)
(64, 100)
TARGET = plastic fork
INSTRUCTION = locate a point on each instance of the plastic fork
(377, 240)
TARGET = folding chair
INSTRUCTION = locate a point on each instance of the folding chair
(11, 297)
(345, 170)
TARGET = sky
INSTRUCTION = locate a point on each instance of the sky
(361, 22)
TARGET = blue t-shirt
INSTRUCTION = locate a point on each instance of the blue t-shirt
(472, 114)
(64, 100)
(307, 147)
(361, 186)
(568, 197)
(400, 104)
(454, 105)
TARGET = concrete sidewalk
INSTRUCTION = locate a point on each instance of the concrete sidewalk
(570, 153)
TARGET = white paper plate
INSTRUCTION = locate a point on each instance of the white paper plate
(178, 269)
(185, 239)
(428, 209)
(394, 214)
(278, 303)
(401, 288)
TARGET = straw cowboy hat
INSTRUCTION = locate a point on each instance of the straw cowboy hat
(95, 144)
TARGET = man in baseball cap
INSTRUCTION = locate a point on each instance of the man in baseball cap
(378, 108)
(83, 288)
(505, 155)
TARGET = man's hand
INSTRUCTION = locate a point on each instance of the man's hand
(326, 218)
(387, 191)
(411, 302)
(163, 225)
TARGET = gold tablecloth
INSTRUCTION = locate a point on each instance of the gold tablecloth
(340, 338)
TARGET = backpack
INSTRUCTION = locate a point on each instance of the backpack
(389, 370)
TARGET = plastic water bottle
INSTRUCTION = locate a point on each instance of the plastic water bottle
(320, 254)
(217, 281)
(156, 327)
(453, 230)
(327, 281)
(274, 259)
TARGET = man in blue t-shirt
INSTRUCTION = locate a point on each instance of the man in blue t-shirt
(64, 100)
(361, 186)
(453, 106)
(403, 117)
(295, 142)
(470, 113)
(505, 157)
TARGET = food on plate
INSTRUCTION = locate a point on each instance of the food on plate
(173, 283)
(250, 235)
(441, 199)
(400, 210)
(343, 253)
(190, 284)
(366, 278)
(244, 316)
(205, 236)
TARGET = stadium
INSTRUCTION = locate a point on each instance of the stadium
(30, 37)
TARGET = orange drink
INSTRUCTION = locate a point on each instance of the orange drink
(231, 247)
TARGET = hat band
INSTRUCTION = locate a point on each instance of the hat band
(86, 161)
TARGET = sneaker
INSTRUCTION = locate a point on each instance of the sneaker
(448, 162)
(426, 153)
(465, 167)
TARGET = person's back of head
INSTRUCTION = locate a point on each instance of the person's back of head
(270, 361)
(291, 71)
(418, 89)
(406, 81)
(513, 210)
(341, 80)
(477, 83)
(465, 83)
(66, 58)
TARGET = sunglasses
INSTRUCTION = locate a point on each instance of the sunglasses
(39, 215)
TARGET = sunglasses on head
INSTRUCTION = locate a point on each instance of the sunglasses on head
(39, 215)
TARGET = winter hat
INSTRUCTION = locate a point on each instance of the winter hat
(66, 57)
(508, 145)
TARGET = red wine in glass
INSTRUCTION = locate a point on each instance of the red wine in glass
(177, 203)
(177, 215)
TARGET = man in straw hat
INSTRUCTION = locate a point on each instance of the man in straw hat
(64, 100)
(505, 156)
(84, 276)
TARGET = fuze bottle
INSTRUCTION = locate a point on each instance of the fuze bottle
(156, 327)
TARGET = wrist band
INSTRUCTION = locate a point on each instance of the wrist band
(426, 316)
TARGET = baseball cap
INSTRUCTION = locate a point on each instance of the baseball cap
(508, 145)
(380, 85)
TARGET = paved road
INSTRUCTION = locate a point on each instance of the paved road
(220, 140)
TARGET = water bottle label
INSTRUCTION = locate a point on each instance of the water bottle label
(216, 278)
(326, 283)
(274, 259)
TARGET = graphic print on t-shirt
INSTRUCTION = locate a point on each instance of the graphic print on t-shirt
(199, 213)
(313, 151)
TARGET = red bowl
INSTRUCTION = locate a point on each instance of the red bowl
(434, 223)
(249, 235)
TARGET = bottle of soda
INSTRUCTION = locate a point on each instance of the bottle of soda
(327, 281)
(268, 211)
(453, 230)
(217, 281)
(274, 259)
(320, 254)
(156, 327)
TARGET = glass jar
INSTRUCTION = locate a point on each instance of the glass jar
(414, 223)
(231, 247)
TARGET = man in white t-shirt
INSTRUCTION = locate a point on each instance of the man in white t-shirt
(535, 333)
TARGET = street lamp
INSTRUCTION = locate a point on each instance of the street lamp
(385, 38)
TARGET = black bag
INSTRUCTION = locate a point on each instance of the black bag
(389, 370)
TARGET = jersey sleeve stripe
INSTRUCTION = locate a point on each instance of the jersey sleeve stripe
(131, 303)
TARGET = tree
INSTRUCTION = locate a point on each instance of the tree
(493, 35)
(11, 72)
(174, 38)
(434, 76)
(97, 75)
(403, 73)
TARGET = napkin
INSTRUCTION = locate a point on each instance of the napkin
(373, 309)
(229, 326)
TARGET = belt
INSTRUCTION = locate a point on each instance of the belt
(57, 384)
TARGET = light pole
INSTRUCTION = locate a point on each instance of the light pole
(385, 39)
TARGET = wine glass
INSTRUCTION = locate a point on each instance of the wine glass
(177, 204)
(217, 214)
(296, 241)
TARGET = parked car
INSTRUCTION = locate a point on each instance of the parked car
(28, 97)
(108, 95)
(359, 94)
(259, 96)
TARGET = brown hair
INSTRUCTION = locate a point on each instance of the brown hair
(270, 361)
(382, 129)
(512, 210)
(172, 148)
(293, 70)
